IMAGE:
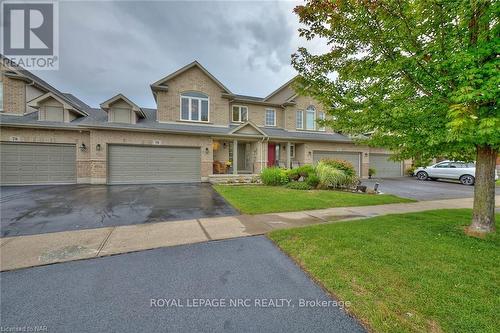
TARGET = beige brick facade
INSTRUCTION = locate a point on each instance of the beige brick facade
(194, 79)
(92, 163)
(301, 104)
(14, 95)
(257, 113)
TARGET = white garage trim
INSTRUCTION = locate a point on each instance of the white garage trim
(353, 157)
(24, 163)
(142, 164)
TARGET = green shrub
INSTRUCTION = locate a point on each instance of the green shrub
(411, 171)
(312, 180)
(298, 186)
(293, 174)
(274, 176)
(306, 170)
(340, 165)
(330, 177)
(302, 171)
(372, 172)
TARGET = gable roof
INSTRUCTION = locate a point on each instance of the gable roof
(249, 124)
(159, 84)
(280, 88)
(106, 104)
(34, 103)
(17, 72)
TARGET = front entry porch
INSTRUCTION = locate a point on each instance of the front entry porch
(250, 157)
(237, 157)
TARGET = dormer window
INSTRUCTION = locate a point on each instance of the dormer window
(52, 107)
(120, 109)
(194, 107)
(54, 113)
(121, 115)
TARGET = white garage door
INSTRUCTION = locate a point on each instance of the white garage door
(354, 158)
(385, 167)
(145, 164)
(35, 163)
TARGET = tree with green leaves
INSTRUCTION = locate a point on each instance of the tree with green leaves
(422, 77)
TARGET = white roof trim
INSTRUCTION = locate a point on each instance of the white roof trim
(158, 84)
(248, 123)
(35, 103)
(106, 104)
(280, 88)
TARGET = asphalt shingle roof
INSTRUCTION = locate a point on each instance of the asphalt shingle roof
(98, 118)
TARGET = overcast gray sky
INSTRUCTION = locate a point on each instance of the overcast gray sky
(108, 47)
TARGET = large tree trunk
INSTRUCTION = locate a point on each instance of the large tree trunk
(483, 214)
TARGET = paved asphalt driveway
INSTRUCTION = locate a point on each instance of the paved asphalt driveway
(113, 294)
(27, 210)
(410, 187)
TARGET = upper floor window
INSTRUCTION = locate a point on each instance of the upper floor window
(321, 116)
(54, 113)
(194, 106)
(121, 115)
(299, 119)
(240, 114)
(270, 117)
(311, 118)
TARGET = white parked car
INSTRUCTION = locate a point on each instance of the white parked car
(464, 172)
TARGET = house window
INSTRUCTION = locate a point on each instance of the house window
(194, 107)
(292, 150)
(1, 96)
(54, 113)
(311, 118)
(121, 115)
(270, 117)
(321, 116)
(240, 114)
(299, 117)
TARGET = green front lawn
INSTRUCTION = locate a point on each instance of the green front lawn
(257, 199)
(414, 272)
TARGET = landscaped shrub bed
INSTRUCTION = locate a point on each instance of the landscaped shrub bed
(327, 174)
(274, 176)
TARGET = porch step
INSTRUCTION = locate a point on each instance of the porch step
(234, 179)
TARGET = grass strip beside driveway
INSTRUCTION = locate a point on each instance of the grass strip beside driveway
(257, 199)
(414, 272)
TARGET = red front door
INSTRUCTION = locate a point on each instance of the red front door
(271, 154)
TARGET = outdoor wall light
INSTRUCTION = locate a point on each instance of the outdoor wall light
(207, 150)
(366, 154)
(98, 147)
(224, 145)
(83, 147)
(309, 153)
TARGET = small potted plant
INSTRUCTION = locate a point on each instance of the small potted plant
(228, 166)
(371, 172)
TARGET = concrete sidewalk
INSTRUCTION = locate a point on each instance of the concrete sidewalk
(35, 250)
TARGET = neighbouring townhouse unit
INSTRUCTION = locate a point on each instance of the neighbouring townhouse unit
(198, 131)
